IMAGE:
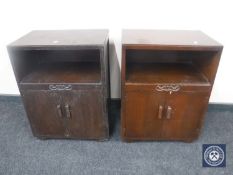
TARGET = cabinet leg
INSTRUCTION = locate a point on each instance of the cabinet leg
(189, 140)
(127, 140)
(103, 140)
(42, 138)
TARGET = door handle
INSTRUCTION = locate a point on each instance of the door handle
(68, 114)
(160, 113)
(169, 112)
(59, 111)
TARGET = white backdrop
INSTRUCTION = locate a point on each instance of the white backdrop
(212, 17)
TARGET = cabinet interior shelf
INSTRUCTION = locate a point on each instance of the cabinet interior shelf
(64, 72)
(183, 73)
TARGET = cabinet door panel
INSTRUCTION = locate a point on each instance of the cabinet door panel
(43, 112)
(141, 115)
(87, 117)
(186, 114)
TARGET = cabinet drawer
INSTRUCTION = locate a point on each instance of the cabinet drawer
(167, 88)
(59, 86)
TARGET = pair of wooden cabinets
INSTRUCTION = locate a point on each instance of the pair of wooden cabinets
(167, 78)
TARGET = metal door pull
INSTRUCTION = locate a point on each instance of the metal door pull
(169, 112)
(59, 111)
(68, 114)
(160, 113)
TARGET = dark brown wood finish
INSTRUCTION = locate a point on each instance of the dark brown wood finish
(63, 79)
(79, 108)
(42, 109)
(167, 77)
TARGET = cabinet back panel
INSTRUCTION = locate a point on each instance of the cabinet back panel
(166, 56)
(201, 62)
(68, 55)
(26, 62)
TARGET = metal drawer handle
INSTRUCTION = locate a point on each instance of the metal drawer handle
(59, 111)
(160, 113)
(169, 112)
(68, 114)
(60, 87)
(168, 88)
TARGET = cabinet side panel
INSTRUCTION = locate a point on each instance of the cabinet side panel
(208, 64)
(123, 99)
(22, 61)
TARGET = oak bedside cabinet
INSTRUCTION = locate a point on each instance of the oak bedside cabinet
(64, 83)
(167, 78)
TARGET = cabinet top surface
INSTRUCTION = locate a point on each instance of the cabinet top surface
(168, 38)
(64, 38)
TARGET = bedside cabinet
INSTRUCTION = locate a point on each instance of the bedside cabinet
(167, 77)
(63, 78)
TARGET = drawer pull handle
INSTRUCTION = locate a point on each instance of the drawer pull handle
(68, 114)
(59, 111)
(60, 87)
(169, 112)
(168, 88)
(160, 113)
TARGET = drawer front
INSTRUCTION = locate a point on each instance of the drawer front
(167, 88)
(59, 87)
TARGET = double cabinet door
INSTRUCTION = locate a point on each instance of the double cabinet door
(73, 113)
(158, 115)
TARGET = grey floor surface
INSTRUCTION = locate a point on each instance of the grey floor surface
(21, 153)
